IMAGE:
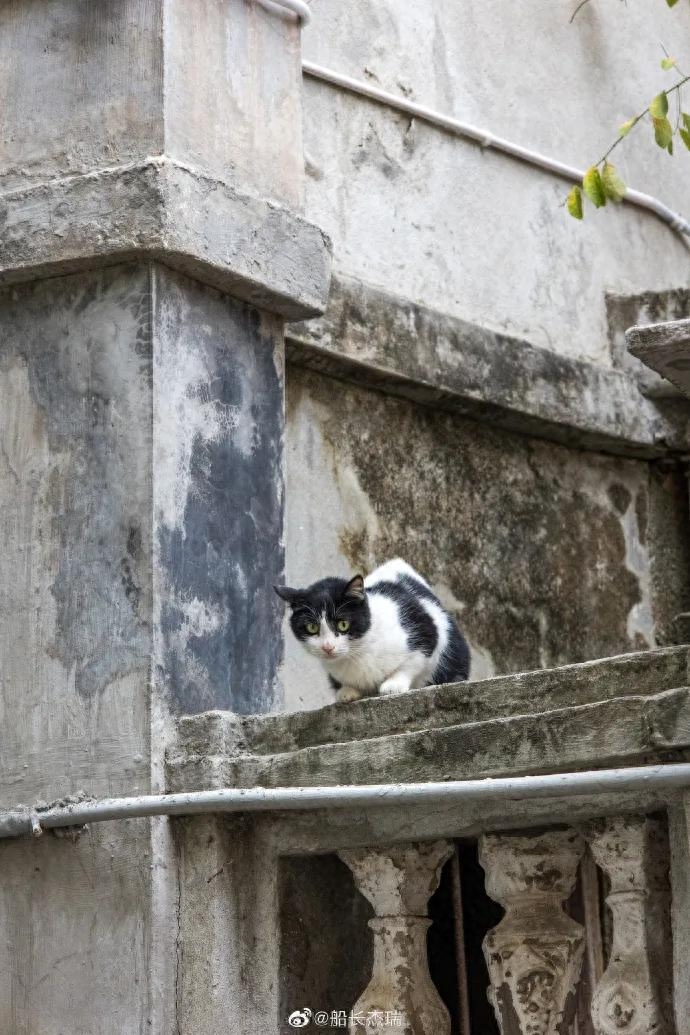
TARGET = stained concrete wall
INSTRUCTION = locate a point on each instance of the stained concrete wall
(140, 471)
(484, 237)
(88, 86)
(545, 554)
(75, 646)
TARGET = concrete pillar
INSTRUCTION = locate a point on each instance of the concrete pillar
(151, 247)
(228, 941)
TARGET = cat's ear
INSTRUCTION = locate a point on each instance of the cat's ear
(355, 588)
(290, 596)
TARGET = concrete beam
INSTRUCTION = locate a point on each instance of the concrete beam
(604, 713)
(665, 348)
(246, 246)
(642, 674)
(376, 339)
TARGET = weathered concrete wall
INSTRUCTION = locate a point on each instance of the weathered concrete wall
(75, 497)
(75, 645)
(141, 496)
(95, 86)
(218, 497)
(472, 233)
(546, 554)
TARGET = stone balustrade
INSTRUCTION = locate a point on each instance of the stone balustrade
(559, 962)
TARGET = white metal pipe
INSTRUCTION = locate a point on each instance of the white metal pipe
(488, 140)
(297, 7)
(659, 779)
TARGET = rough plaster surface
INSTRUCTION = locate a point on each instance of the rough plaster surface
(75, 590)
(86, 87)
(75, 950)
(541, 551)
(475, 234)
(75, 645)
(679, 843)
(228, 937)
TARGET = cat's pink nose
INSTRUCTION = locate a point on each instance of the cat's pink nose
(328, 648)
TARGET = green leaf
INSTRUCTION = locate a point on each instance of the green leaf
(685, 137)
(626, 127)
(671, 3)
(593, 187)
(668, 63)
(659, 106)
(663, 132)
(574, 203)
(686, 119)
(613, 185)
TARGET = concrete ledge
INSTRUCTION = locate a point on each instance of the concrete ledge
(665, 348)
(250, 248)
(617, 711)
(375, 339)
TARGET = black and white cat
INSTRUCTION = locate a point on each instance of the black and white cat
(382, 634)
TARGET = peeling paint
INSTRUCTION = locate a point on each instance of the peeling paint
(219, 497)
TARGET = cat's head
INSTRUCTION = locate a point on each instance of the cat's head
(329, 617)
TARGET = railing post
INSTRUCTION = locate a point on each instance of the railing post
(534, 954)
(632, 996)
(401, 998)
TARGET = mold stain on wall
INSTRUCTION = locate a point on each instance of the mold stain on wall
(539, 549)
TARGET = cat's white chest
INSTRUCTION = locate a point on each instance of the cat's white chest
(379, 653)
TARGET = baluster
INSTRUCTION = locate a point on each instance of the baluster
(632, 996)
(534, 954)
(398, 881)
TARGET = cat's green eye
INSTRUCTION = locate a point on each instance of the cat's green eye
(312, 628)
(343, 625)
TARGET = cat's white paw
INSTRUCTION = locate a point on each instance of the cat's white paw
(394, 685)
(347, 694)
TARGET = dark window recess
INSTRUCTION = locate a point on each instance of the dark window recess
(479, 915)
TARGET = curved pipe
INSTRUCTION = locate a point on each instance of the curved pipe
(488, 140)
(661, 778)
(297, 7)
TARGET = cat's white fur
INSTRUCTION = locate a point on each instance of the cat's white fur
(381, 657)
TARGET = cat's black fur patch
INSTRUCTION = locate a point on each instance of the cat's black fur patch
(327, 597)
(415, 620)
(454, 665)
